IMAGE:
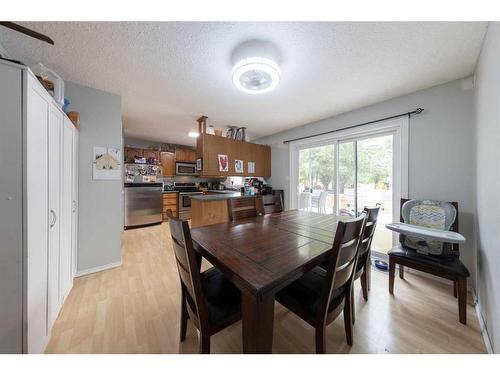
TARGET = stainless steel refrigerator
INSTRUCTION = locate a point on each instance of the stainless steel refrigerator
(143, 194)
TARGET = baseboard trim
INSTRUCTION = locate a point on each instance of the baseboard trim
(482, 324)
(98, 269)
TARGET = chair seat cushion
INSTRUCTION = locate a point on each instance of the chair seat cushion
(223, 299)
(303, 295)
(447, 263)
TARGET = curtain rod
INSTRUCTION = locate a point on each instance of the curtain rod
(26, 31)
(415, 112)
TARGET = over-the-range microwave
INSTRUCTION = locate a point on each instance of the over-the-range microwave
(185, 169)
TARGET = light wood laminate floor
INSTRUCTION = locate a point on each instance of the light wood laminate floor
(135, 309)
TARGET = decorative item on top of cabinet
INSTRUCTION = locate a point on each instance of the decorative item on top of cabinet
(131, 152)
(75, 118)
(151, 156)
(202, 124)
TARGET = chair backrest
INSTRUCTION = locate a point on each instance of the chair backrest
(432, 214)
(244, 207)
(342, 262)
(188, 266)
(369, 229)
(272, 203)
(304, 200)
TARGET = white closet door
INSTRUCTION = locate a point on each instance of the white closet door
(74, 220)
(55, 134)
(65, 258)
(36, 130)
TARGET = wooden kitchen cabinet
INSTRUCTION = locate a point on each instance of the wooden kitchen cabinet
(151, 154)
(169, 203)
(185, 155)
(131, 153)
(168, 164)
(210, 146)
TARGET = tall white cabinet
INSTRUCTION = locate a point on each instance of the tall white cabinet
(42, 258)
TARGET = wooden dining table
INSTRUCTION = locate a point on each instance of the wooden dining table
(262, 255)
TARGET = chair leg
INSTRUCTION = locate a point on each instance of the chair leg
(184, 315)
(368, 270)
(401, 272)
(392, 271)
(348, 321)
(320, 339)
(364, 283)
(353, 307)
(462, 300)
(204, 343)
(455, 289)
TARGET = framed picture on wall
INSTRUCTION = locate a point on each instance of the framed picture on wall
(238, 166)
(223, 163)
(199, 164)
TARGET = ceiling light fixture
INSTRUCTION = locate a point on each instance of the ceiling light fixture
(256, 75)
(193, 134)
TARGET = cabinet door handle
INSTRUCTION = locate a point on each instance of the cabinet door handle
(54, 218)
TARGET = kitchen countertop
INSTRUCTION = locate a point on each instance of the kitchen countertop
(216, 197)
(223, 191)
(170, 191)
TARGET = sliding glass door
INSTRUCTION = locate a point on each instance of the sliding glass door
(342, 175)
(316, 179)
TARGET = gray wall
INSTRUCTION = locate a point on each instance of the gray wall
(488, 182)
(441, 160)
(100, 218)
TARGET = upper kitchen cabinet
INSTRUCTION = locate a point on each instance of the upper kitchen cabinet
(168, 164)
(131, 153)
(185, 155)
(210, 146)
(151, 155)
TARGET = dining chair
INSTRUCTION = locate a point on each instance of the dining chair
(320, 295)
(244, 207)
(363, 266)
(272, 203)
(208, 299)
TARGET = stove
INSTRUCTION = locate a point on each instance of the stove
(186, 191)
(183, 187)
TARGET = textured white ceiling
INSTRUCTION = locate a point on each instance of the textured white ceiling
(170, 73)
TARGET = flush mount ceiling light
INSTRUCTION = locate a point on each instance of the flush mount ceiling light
(255, 67)
(193, 134)
(256, 75)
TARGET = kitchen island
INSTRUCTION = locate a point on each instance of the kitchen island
(211, 208)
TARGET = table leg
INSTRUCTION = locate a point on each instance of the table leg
(258, 320)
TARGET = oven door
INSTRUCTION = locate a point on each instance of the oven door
(185, 169)
(185, 204)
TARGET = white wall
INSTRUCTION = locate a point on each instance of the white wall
(488, 182)
(100, 219)
(441, 152)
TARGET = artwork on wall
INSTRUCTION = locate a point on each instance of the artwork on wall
(223, 163)
(107, 163)
(251, 167)
(199, 164)
(238, 166)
